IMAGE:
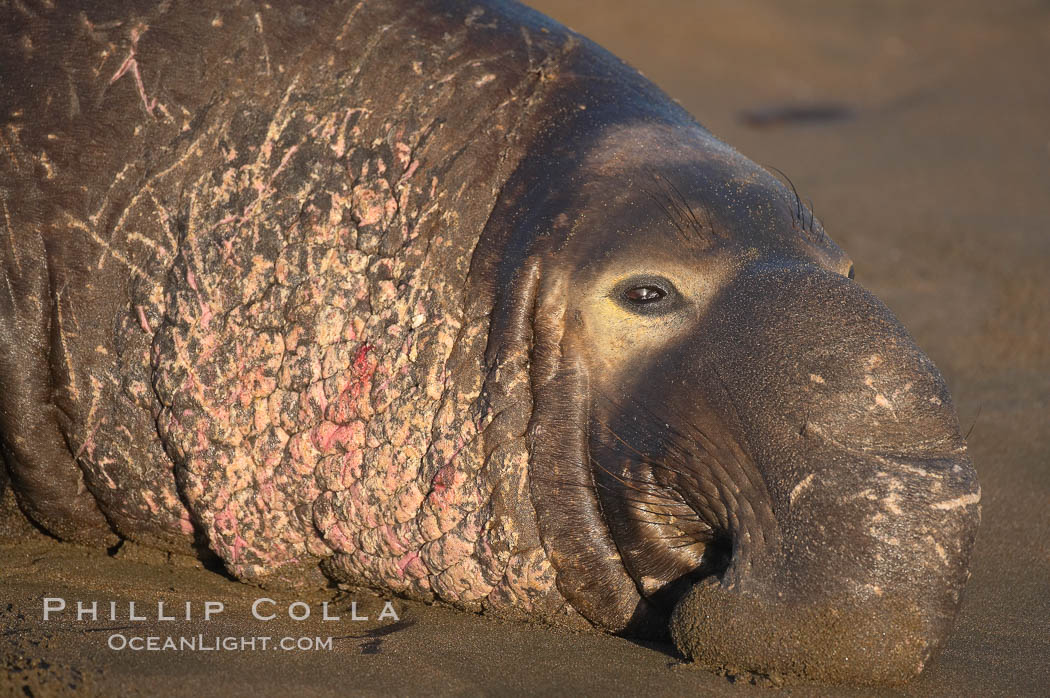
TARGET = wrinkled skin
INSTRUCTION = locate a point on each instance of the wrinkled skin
(449, 301)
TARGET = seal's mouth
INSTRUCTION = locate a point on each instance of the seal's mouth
(680, 502)
(636, 512)
(668, 538)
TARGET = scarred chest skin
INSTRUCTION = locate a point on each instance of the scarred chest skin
(274, 283)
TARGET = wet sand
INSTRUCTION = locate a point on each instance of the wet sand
(919, 130)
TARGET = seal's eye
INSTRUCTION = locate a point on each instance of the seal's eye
(644, 294)
(850, 274)
(647, 295)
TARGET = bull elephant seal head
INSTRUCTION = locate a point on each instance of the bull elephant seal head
(729, 436)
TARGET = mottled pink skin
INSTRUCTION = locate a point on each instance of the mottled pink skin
(305, 382)
(281, 360)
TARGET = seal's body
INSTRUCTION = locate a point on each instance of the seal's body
(447, 300)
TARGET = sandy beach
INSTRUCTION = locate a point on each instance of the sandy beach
(920, 133)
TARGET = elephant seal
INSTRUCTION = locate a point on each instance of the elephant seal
(445, 299)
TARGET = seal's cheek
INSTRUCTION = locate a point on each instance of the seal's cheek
(617, 340)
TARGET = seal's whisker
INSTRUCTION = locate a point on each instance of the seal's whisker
(975, 418)
(677, 207)
(693, 474)
(657, 433)
(688, 545)
(690, 516)
(662, 426)
(616, 436)
(669, 437)
(670, 216)
(680, 535)
(624, 481)
(647, 487)
(798, 199)
(685, 203)
(595, 486)
(677, 200)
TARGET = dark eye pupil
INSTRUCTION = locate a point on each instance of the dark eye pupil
(644, 294)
